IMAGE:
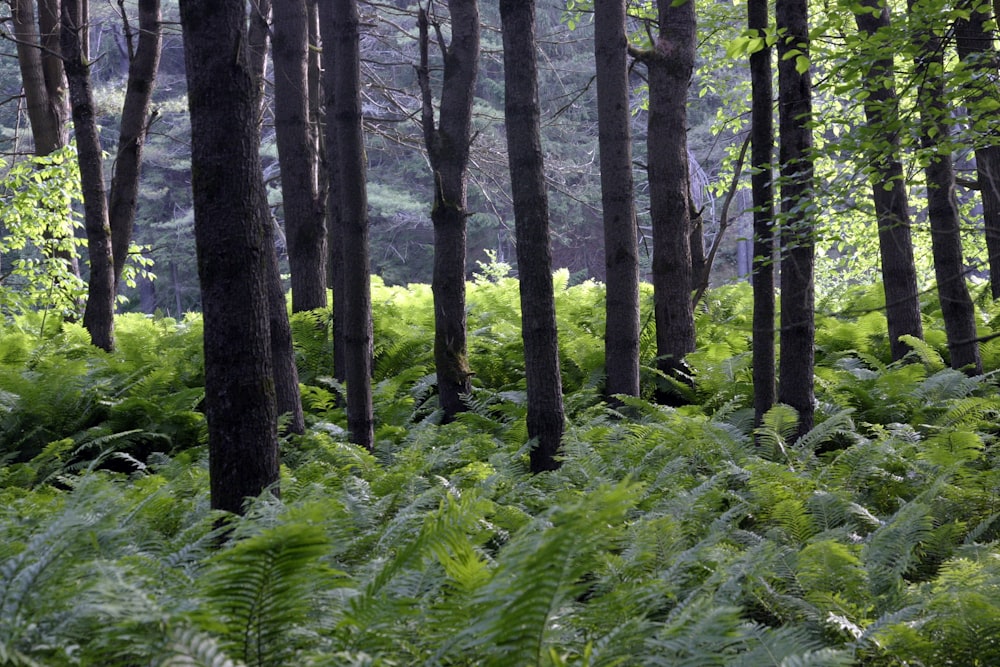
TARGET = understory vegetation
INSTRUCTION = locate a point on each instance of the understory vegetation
(668, 537)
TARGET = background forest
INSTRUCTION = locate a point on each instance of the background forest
(213, 485)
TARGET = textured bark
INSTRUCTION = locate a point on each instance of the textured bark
(357, 306)
(448, 142)
(975, 48)
(899, 273)
(670, 64)
(99, 314)
(762, 158)
(621, 251)
(546, 418)
(942, 207)
(142, 69)
(798, 329)
(231, 240)
(305, 227)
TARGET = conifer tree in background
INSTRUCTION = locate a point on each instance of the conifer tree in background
(448, 142)
(232, 242)
(546, 418)
(621, 250)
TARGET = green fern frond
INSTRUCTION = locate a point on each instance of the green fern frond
(927, 354)
(776, 430)
(189, 647)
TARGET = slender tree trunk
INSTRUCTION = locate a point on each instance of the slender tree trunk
(621, 250)
(357, 306)
(448, 146)
(762, 158)
(942, 206)
(798, 329)
(142, 69)
(546, 418)
(99, 315)
(231, 238)
(899, 273)
(305, 226)
(975, 48)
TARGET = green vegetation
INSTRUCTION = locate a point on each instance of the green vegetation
(667, 537)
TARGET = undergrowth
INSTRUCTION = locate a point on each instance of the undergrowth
(668, 537)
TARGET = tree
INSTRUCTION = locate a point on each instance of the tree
(621, 252)
(899, 273)
(298, 153)
(762, 156)
(798, 329)
(942, 206)
(232, 240)
(340, 30)
(546, 418)
(448, 142)
(670, 63)
(99, 315)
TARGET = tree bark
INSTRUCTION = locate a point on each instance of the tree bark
(142, 69)
(899, 273)
(448, 146)
(232, 250)
(99, 314)
(942, 206)
(546, 418)
(621, 250)
(357, 306)
(762, 186)
(305, 226)
(975, 49)
(798, 329)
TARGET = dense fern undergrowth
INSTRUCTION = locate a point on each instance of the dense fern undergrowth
(667, 537)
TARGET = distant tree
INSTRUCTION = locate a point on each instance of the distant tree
(670, 63)
(99, 314)
(298, 156)
(942, 205)
(899, 273)
(621, 251)
(762, 158)
(448, 141)
(232, 242)
(546, 418)
(798, 328)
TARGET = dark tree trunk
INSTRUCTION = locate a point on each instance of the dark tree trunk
(975, 48)
(99, 315)
(357, 305)
(142, 69)
(670, 64)
(798, 329)
(899, 274)
(762, 157)
(546, 419)
(942, 206)
(231, 240)
(305, 226)
(448, 150)
(621, 250)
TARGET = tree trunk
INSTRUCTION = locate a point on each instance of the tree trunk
(942, 206)
(142, 69)
(357, 306)
(670, 64)
(546, 418)
(975, 48)
(99, 315)
(621, 250)
(899, 274)
(305, 226)
(448, 146)
(798, 329)
(232, 252)
(762, 157)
